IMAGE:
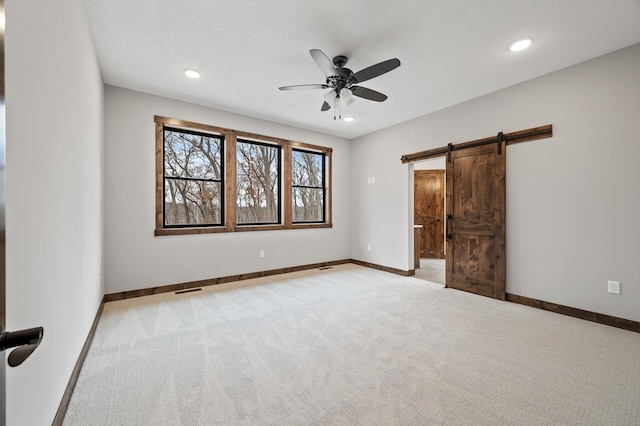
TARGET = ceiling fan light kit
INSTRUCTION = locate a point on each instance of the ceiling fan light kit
(342, 81)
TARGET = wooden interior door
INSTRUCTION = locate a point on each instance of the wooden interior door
(428, 204)
(475, 221)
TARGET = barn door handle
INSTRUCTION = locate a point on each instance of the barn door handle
(449, 219)
(25, 342)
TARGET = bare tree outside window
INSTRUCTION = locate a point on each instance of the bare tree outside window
(308, 192)
(212, 180)
(192, 178)
(257, 183)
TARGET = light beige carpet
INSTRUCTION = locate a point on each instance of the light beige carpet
(351, 346)
(432, 270)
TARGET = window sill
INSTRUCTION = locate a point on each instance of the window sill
(216, 230)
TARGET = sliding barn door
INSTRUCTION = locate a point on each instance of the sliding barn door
(475, 220)
(429, 211)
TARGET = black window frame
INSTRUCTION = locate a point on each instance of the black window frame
(221, 181)
(278, 147)
(323, 186)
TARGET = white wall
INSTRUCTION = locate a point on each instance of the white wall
(437, 163)
(135, 258)
(54, 101)
(572, 201)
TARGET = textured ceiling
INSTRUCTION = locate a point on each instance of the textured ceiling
(451, 50)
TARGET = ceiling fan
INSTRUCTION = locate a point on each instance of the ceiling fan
(342, 81)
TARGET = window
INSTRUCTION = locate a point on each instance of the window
(307, 182)
(257, 183)
(211, 179)
(193, 190)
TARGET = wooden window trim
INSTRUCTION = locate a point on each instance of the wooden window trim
(229, 214)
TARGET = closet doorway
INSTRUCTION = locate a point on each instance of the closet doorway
(429, 219)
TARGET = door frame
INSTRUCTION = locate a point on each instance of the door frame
(3, 319)
(438, 164)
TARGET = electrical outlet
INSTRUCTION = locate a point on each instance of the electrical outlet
(368, 181)
(369, 247)
(261, 253)
(613, 287)
(373, 180)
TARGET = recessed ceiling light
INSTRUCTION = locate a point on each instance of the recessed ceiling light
(349, 119)
(521, 45)
(192, 74)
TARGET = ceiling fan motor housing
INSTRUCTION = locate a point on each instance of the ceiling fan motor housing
(340, 61)
(341, 79)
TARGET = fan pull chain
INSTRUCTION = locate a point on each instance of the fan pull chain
(335, 106)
